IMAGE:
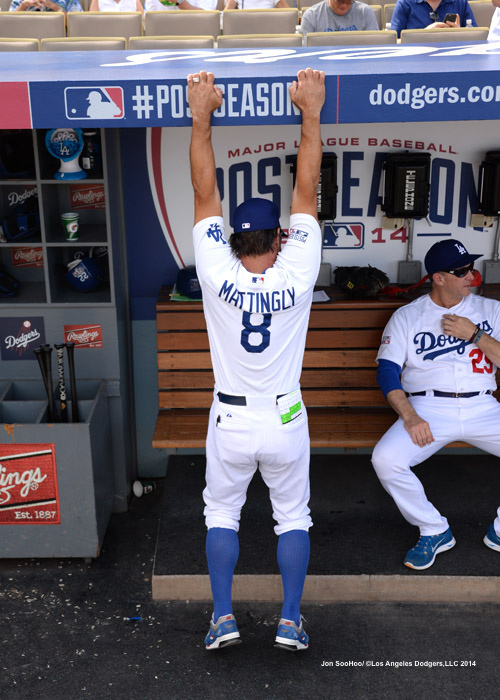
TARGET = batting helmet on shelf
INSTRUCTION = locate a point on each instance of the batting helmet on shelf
(187, 283)
(84, 275)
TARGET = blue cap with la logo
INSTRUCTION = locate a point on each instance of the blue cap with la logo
(448, 255)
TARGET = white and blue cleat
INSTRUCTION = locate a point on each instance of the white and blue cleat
(223, 633)
(491, 539)
(290, 636)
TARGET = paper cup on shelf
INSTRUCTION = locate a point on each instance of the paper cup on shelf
(71, 223)
(142, 487)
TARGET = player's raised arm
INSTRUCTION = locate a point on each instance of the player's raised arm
(204, 98)
(308, 94)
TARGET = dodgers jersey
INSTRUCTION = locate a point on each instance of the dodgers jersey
(257, 323)
(414, 339)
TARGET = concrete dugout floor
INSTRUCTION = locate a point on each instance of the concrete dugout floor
(65, 637)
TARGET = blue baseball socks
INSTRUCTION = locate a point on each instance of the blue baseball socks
(222, 549)
(293, 560)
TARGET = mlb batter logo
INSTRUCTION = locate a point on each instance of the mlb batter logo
(258, 280)
(345, 235)
(94, 103)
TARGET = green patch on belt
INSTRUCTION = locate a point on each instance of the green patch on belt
(291, 414)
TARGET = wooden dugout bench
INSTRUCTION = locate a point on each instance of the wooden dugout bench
(345, 405)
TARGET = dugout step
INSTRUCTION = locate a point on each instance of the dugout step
(358, 541)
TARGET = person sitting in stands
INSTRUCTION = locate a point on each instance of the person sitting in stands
(494, 34)
(430, 14)
(45, 6)
(116, 6)
(338, 15)
(180, 5)
(256, 4)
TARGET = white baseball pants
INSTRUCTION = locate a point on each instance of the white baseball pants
(242, 439)
(475, 420)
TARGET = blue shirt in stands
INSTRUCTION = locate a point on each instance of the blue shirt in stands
(66, 5)
(415, 14)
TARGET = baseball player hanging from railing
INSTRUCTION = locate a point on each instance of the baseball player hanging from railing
(445, 345)
(256, 300)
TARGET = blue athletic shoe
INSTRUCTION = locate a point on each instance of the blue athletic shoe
(422, 555)
(491, 539)
(290, 636)
(223, 633)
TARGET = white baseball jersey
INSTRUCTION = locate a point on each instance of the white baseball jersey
(120, 6)
(200, 4)
(255, 4)
(494, 34)
(414, 339)
(257, 323)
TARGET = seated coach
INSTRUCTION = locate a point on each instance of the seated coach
(436, 367)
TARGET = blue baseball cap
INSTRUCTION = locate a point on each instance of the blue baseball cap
(448, 255)
(255, 214)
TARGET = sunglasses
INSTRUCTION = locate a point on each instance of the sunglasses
(462, 271)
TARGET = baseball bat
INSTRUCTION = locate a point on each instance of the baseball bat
(47, 355)
(40, 356)
(70, 349)
(62, 385)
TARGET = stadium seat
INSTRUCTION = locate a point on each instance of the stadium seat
(435, 36)
(388, 10)
(379, 14)
(483, 11)
(36, 25)
(250, 41)
(84, 43)
(104, 24)
(165, 43)
(265, 21)
(304, 4)
(183, 23)
(356, 38)
(19, 44)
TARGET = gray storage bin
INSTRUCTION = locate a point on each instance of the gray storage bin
(84, 469)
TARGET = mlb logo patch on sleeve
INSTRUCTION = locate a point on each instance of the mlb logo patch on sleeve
(94, 102)
(296, 235)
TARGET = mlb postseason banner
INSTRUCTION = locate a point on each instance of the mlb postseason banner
(442, 82)
(255, 162)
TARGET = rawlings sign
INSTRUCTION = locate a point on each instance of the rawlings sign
(84, 336)
(28, 485)
(87, 197)
(27, 257)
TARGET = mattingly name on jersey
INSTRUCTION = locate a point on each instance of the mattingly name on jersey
(258, 302)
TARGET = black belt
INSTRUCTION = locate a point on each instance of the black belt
(236, 400)
(450, 394)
